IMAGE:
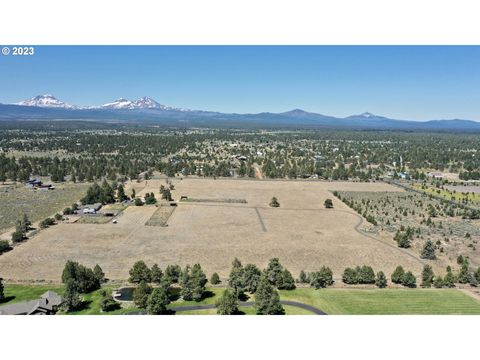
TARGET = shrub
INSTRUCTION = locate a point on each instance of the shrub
(350, 276)
(428, 251)
(397, 275)
(274, 202)
(215, 279)
(409, 280)
(381, 280)
(322, 278)
(47, 222)
(4, 246)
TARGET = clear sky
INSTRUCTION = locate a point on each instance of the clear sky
(409, 82)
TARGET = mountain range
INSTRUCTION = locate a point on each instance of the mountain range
(148, 111)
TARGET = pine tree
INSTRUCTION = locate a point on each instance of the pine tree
(156, 274)
(274, 272)
(71, 297)
(267, 300)
(235, 279)
(157, 301)
(141, 293)
(409, 280)
(427, 276)
(288, 283)
(140, 272)
(251, 278)
(227, 304)
(397, 276)
(303, 277)
(99, 274)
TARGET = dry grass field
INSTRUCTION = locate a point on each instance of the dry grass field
(301, 233)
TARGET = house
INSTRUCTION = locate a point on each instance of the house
(48, 304)
(90, 208)
(436, 175)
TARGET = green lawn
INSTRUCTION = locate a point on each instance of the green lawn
(331, 301)
(386, 301)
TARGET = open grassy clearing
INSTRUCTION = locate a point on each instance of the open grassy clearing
(301, 233)
(468, 195)
(37, 204)
(386, 301)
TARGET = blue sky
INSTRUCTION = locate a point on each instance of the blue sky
(406, 82)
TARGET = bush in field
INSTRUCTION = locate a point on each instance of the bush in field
(381, 280)
(274, 202)
(438, 282)
(409, 280)
(4, 246)
(107, 303)
(288, 283)
(150, 199)
(47, 223)
(350, 276)
(322, 278)
(138, 202)
(303, 278)
(328, 204)
(140, 272)
(215, 279)
(397, 275)
(227, 304)
(18, 236)
(366, 275)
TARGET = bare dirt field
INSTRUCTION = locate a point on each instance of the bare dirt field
(301, 233)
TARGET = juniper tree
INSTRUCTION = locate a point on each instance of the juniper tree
(71, 297)
(215, 279)
(322, 278)
(397, 275)
(381, 280)
(428, 251)
(288, 283)
(427, 276)
(274, 272)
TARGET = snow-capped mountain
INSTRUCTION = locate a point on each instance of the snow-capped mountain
(46, 100)
(142, 103)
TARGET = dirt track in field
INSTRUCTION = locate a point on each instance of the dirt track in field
(302, 233)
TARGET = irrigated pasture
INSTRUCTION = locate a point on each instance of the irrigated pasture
(301, 232)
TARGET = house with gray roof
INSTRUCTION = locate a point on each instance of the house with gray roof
(48, 304)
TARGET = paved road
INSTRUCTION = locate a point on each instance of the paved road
(300, 305)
